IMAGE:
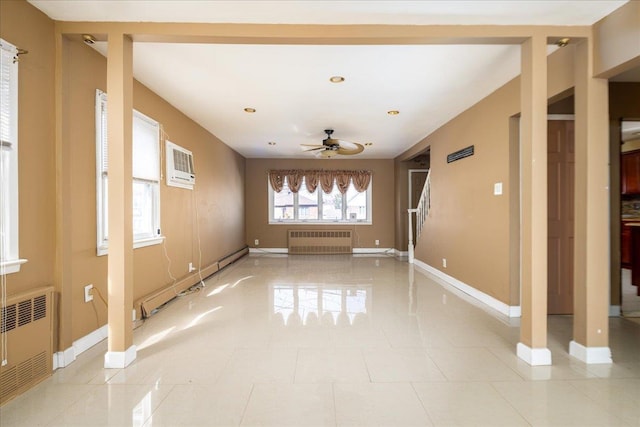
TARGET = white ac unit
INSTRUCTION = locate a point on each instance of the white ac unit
(180, 172)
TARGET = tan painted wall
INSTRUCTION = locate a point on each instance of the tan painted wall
(219, 194)
(617, 41)
(468, 225)
(28, 28)
(274, 236)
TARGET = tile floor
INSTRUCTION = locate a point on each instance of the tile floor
(336, 340)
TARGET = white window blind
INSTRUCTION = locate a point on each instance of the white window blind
(145, 175)
(9, 259)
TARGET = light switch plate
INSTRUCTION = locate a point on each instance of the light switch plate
(497, 189)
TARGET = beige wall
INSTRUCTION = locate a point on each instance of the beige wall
(275, 236)
(617, 41)
(468, 225)
(217, 201)
(28, 28)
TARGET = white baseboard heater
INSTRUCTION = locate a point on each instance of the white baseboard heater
(26, 327)
(320, 241)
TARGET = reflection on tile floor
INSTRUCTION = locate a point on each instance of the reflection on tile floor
(336, 340)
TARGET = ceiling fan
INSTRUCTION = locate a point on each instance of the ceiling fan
(331, 147)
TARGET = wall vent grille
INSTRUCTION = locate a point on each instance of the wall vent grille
(320, 242)
(27, 328)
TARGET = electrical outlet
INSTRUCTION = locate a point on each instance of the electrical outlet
(256, 242)
(497, 189)
(88, 293)
(377, 242)
(444, 262)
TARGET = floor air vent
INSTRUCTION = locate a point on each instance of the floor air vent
(26, 328)
(320, 242)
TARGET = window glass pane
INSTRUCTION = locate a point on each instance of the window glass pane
(307, 203)
(356, 204)
(283, 203)
(332, 204)
(143, 212)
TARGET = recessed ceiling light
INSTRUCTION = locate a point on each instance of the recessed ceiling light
(336, 79)
(271, 143)
(393, 112)
(249, 110)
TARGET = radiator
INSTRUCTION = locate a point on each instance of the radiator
(320, 242)
(26, 327)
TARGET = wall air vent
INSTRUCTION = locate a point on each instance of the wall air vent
(26, 340)
(180, 172)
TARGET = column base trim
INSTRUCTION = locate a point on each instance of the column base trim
(119, 359)
(534, 356)
(590, 355)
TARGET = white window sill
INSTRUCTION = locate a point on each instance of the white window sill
(291, 222)
(12, 266)
(104, 250)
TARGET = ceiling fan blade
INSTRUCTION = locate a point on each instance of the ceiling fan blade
(359, 148)
(309, 147)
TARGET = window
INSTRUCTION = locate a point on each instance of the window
(9, 260)
(318, 206)
(146, 178)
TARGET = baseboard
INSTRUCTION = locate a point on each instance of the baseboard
(64, 358)
(615, 311)
(120, 359)
(507, 310)
(268, 250)
(590, 355)
(378, 251)
(534, 356)
(399, 253)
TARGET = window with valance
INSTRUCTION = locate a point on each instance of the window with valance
(320, 196)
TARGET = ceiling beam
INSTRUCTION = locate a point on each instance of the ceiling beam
(323, 34)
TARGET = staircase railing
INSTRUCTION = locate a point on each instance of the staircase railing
(422, 212)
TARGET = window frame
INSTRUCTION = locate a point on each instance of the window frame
(320, 221)
(139, 240)
(10, 260)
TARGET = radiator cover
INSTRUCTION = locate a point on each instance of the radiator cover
(27, 328)
(320, 241)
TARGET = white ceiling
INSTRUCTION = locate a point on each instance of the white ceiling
(289, 85)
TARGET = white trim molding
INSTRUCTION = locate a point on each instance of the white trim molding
(379, 251)
(64, 358)
(507, 310)
(268, 250)
(11, 266)
(590, 355)
(119, 359)
(534, 356)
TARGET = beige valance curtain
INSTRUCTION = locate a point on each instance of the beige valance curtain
(325, 178)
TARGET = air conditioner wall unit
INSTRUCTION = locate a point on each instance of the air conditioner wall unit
(180, 171)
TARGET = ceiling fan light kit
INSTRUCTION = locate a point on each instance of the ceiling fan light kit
(331, 147)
